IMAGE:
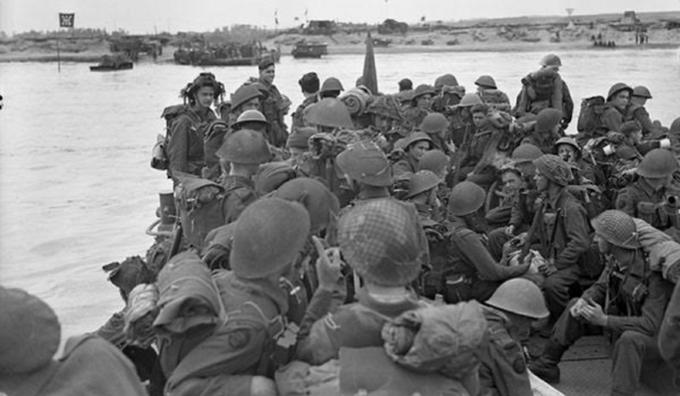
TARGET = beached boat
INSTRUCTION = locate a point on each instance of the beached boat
(307, 49)
(112, 63)
(225, 55)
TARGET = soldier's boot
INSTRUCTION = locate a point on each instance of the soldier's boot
(545, 366)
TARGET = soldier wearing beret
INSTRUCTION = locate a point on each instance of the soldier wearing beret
(273, 105)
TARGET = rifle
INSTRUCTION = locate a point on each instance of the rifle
(464, 147)
(535, 222)
(176, 240)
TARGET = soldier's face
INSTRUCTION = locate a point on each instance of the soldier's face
(541, 181)
(204, 96)
(567, 153)
(252, 104)
(621, 99)
(478, 119)
(602, 245)
(511, 181)
(657, 183)
(267, 75)
(418, 149)
(383, 124)
(424, 101)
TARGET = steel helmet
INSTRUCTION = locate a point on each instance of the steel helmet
(329, 112)
(520, 296)
(486, 81)
(422, 181)
(547, 119)
(331, 84)
(434, 160)
(642, 92)
(251, 116)
(618, 87)
(382, 240)
(554, 168)
(245, 146)
(446, 80)
(434, 123)
(282, 226)
(385, 106)
(243, 94)
(469, 100)
(466, 197)
(617, 228)
(365, 162)
(526, 153)
(657, 164)
(551, 60)
(675, 125)
(570, 141)
(272, 175)
(422, 89)
(413, 138)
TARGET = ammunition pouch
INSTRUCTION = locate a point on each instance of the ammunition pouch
(647, 211)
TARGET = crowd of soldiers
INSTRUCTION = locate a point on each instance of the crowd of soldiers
(403, 243)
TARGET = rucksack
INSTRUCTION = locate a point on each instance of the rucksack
(542, 83)
(200, 207)
(589, 119)
(159, 154)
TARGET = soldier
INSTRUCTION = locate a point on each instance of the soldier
(185, 146)
(546, 131)
(421, 105)
(478, 166)
(387, 118)
(448, 93)
(644, 198)
(618, 100)
(461, 126)
(545, 89)
(244, 150)
(405, 84)
(414, 145)
(473, 274)
(309, 84)
(330, 88)
(564, 234)
(273, 105)
(436, 125)
(246, 97)
(201, 351)
(422, 193)
(366, 170)
(523, 203)
(491, 95)
(298, 145)
(29, 337)
(634, 299)
(568, 149)
(636, 109)
(512, 308)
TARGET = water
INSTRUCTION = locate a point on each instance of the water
(76, 189)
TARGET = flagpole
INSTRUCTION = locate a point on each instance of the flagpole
(58, 54)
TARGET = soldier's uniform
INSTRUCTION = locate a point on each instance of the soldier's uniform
(239, 193)
(640, 200)
(185, 147)
(503, 370)
(277, 131)
(298, 115)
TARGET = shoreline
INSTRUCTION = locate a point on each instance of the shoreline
(359, 49)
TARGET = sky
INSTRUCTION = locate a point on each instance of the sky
(148, 16)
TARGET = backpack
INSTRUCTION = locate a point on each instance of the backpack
(159, 154)
(212, 141)
(201, 209)
(542, 84)
(589, 119)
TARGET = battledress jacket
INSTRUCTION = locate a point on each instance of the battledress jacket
(185, 148)
(570, 238)
(503, 370)
(224, 360)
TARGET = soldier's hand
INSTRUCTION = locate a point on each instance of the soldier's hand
(576, 309)
(593, 313)
(328, 266)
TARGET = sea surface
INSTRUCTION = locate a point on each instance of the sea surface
(76, 189)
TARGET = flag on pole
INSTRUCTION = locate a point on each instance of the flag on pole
(276, 17)
(66, 19)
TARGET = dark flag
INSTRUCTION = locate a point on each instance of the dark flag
(370, 75)
(66, 19)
